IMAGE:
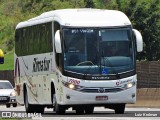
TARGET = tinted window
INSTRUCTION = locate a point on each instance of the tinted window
(35, 39)
(98, 51)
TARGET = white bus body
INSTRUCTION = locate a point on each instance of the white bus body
(48, 75)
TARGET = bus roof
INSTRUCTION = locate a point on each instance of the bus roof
(80, 17)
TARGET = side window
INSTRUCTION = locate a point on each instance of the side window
(23, 42)
(43, 39)
(49, 34)
(20, 43)
(27, 40)
(35, 39)
(31, 44)
(17, 42)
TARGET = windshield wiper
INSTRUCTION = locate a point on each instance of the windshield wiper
(110, 65)
(89, 68)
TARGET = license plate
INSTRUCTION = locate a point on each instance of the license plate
(3, 98)
(101, 97)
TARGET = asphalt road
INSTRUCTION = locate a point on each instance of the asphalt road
(99, 113)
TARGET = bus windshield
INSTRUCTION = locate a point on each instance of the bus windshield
(96, 51)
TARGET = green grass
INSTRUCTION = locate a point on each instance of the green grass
(8, 62)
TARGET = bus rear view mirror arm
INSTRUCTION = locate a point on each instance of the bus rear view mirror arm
(58, 42)
(139, 40)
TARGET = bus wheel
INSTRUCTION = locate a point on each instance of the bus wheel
(89, 110)
(28, 107)
(119, 109)
(39, 108)
(79, 111)
(54, 100)
(59, 109)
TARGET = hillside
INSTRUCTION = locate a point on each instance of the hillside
(144, 14)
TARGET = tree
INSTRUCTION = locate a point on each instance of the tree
(145, 16)
(146, 20)
(89, 4)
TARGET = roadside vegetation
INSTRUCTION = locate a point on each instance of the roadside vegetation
(8, 61)
(144, 14)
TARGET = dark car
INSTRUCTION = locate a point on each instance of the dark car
(7, 94)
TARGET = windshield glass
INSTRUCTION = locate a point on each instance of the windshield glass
(5, 85)
(98, 51)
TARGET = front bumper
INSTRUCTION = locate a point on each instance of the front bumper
(72, 97)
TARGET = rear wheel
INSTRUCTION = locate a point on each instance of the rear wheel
(119, 109)
(32, 108)
(28, 107)
(38, 108)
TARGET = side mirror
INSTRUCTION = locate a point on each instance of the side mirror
(1, 57)
(139, 40)
(58, 42)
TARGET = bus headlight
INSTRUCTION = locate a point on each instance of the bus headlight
(129, 85)
(72, 86)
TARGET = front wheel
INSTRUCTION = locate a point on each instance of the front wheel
(59, 109)
(89, 110)
(79, 111)
(119, 109)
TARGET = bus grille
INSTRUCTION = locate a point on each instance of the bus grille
(101, 90)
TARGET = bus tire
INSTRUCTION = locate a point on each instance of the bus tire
(29, 108)
(60, 110)
(32, 108)
(119, 109)
(89, 109)
(80, 111)
(38, 108)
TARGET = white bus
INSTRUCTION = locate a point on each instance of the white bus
(76, 58)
